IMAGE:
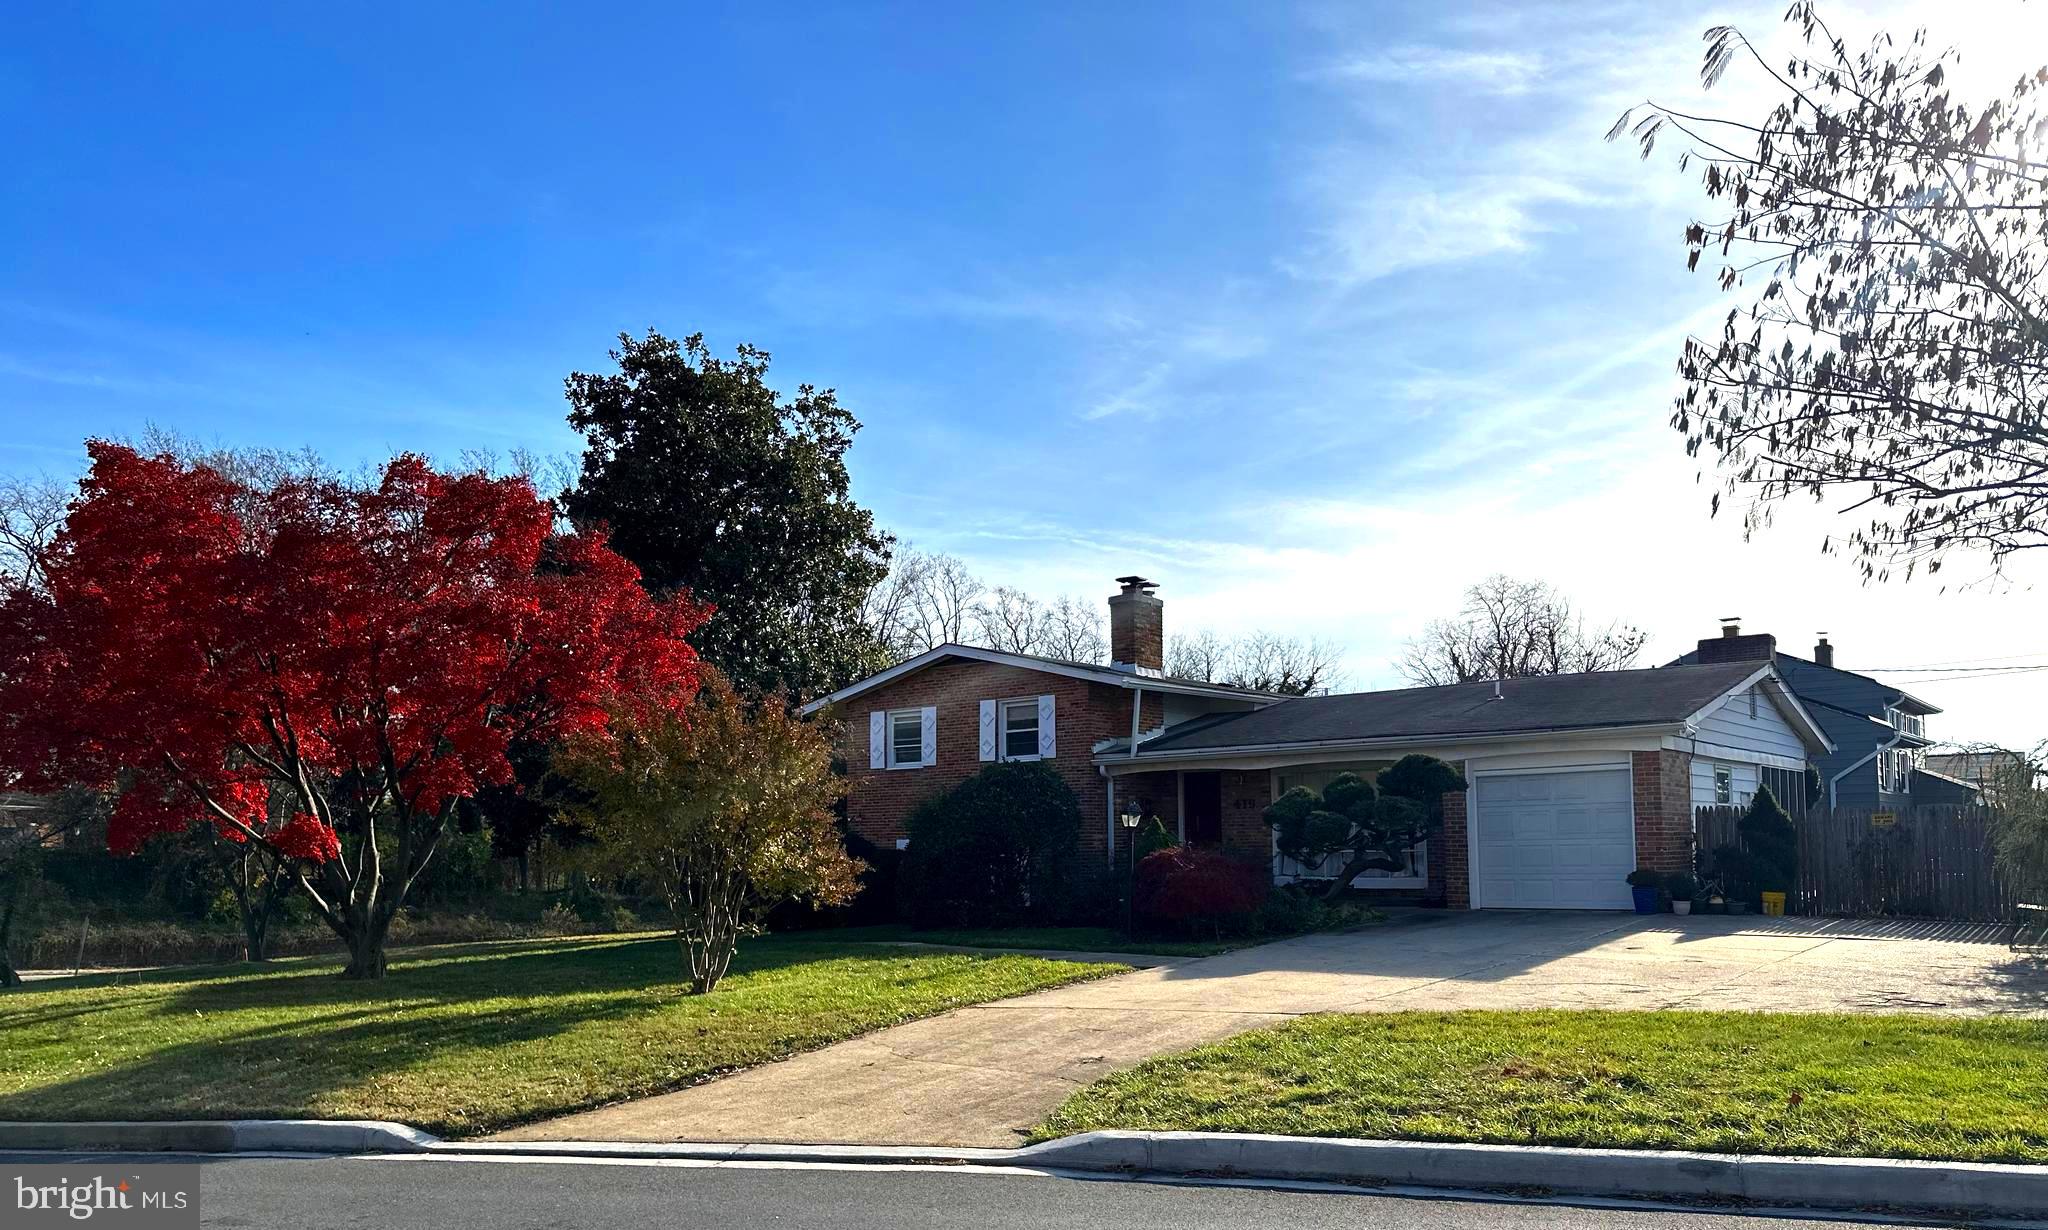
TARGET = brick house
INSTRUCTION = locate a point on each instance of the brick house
(1575, 779)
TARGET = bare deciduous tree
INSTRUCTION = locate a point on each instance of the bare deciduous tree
(32, 510)
(1199, 655)
(930, 599)
(1262, 661)
(1011, 620)
(942, 603)
(1073, 630)
(1508, 629)
(1895, 360)
(1288, 665)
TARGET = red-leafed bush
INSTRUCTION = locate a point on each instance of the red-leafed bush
(1199, 891)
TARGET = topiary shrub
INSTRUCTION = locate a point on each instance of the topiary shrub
(992, 851)
(1366, 826)
(1193, 890)
(1772, 843)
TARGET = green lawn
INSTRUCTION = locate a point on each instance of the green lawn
(467, 1039)
(1882, 1086)
(1053, 939)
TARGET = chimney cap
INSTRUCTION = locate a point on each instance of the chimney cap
(1136, 585)
(1731, 625)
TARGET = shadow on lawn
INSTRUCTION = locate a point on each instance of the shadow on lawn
(260, 1072)
(321, 1035)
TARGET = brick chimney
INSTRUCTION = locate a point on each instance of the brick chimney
(1137, 628)
(1733, 646)
(1823, 653)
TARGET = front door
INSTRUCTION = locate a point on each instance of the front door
(1202, 808)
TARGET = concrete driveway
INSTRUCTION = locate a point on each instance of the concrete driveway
(983, 1075)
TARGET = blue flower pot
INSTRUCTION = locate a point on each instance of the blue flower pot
(1646, 899)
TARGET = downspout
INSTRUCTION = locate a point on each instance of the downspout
(1137, 706)
(1834, 799)
(1109, 794)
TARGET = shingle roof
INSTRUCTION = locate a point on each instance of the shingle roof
(1539, 703)
(1095, 671)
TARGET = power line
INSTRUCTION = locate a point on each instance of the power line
(1959, 662)
(1957, 670)
(1992, 673)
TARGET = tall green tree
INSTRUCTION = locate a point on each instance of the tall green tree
(712, 481)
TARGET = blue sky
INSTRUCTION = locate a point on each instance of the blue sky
(1317, 313)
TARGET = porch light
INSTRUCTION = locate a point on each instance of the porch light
(1130, 814)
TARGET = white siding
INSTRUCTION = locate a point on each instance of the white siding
(1742, 780)
(1730, 738)
(1729, 731)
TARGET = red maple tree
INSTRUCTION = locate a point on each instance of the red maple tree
(326, 668)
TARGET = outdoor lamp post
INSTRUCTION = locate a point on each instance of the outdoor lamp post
(1129, 816)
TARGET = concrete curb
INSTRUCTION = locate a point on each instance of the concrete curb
(219, 1136)
(1813, 1182)
(1810, 1182)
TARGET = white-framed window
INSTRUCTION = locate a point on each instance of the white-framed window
(1894, 772)
(906, 738)
(1724, 784)
(1018, 728)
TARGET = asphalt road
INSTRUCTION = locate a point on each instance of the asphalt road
(395, 1194)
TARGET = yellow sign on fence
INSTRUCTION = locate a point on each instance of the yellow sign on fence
(1883, 819)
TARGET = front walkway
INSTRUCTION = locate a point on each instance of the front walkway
(983, 1075)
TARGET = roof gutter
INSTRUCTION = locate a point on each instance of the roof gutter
(1258, 749)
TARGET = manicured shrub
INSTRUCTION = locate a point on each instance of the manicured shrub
(992, 851)
(1197, 891)
(1772, 842)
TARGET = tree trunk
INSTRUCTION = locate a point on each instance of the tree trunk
(366, 955)
(8, 976)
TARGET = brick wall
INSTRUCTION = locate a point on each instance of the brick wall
(1456, 855)
(1246, 795)
(879, 800)
(1663, 787)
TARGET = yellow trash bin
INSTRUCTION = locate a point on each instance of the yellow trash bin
(1774, 904)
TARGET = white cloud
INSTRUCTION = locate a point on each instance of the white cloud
(1376, 225)
(1497, 72)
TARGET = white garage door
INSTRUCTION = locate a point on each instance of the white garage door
(1556, 841)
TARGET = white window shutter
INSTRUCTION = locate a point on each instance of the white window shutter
(931, 735)
(988, 730)
(878, 740)
(1046, 743)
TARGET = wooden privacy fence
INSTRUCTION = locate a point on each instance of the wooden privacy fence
(1912, 862)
